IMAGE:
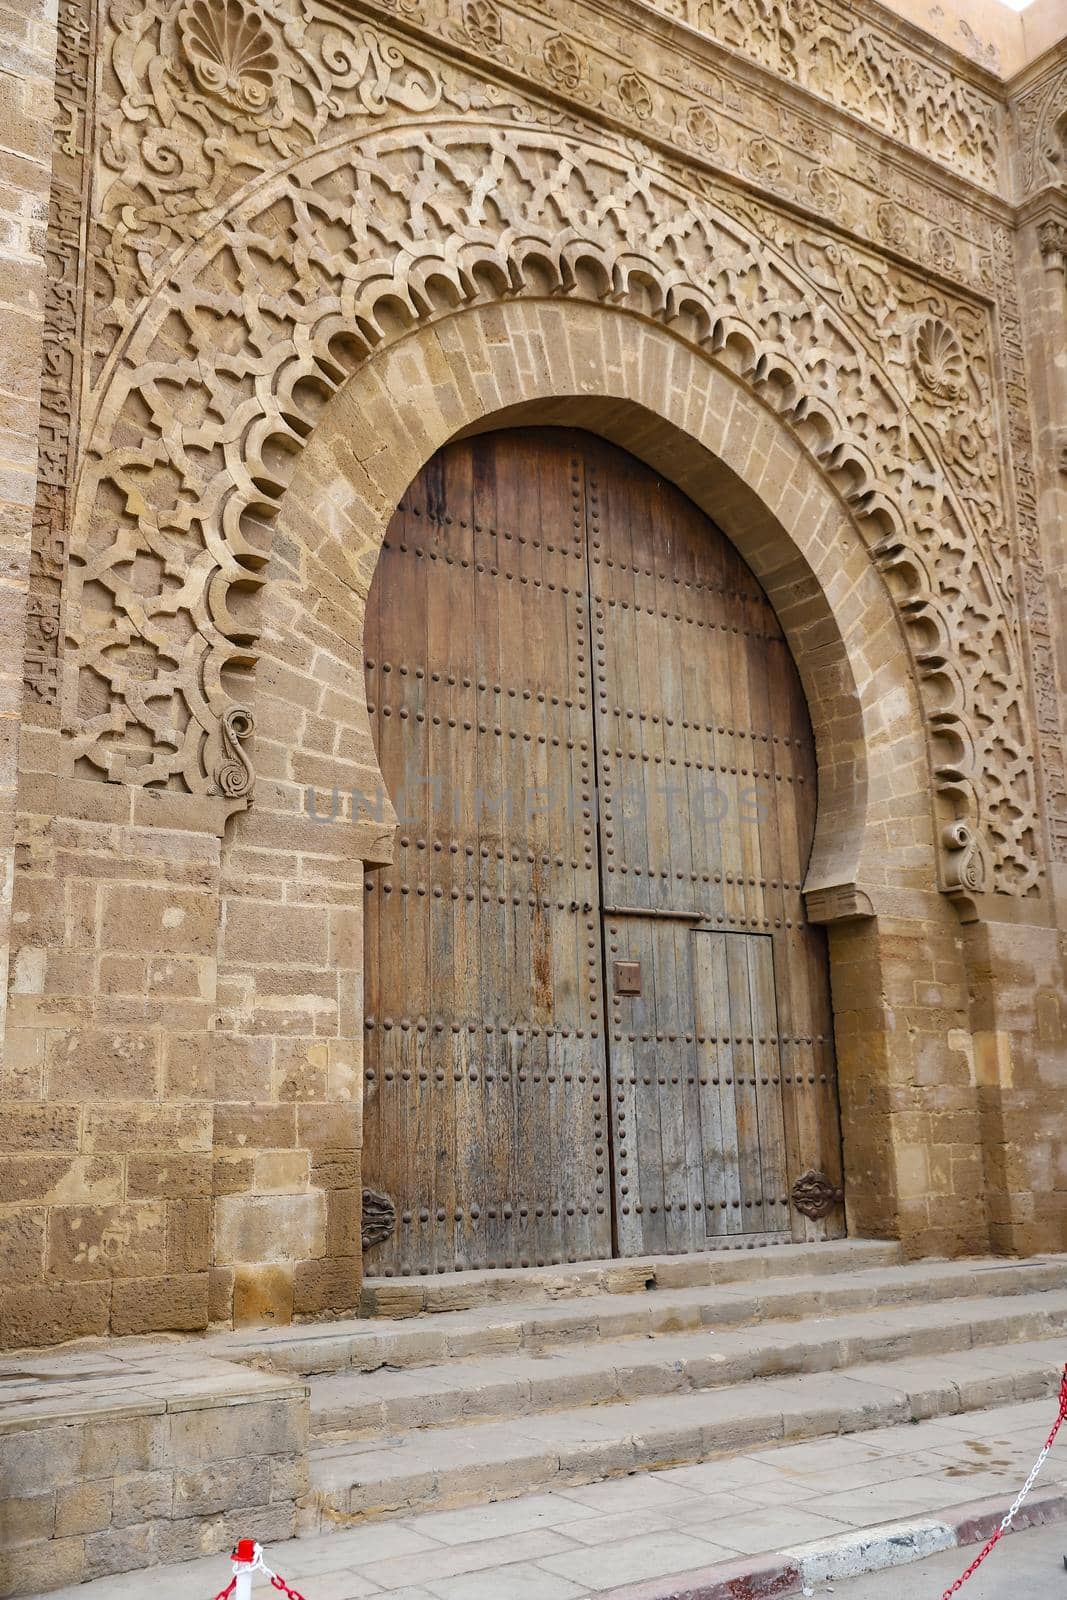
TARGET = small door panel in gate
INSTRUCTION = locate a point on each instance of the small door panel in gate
(740, 1076)
(696, 1082)
(656, 1109)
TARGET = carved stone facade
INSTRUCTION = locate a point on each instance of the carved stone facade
(804, 258)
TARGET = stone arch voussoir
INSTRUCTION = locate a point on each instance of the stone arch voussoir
(698, 425)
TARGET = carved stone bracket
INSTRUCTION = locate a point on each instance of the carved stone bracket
(1052, 242)
(843, 902)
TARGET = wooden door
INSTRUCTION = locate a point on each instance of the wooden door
(485, 1097)
(597, 743)
(722, 1078)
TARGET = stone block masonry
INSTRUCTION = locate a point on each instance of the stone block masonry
(121, 1460)
(809, 270)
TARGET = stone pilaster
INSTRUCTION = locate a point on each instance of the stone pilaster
(27, 76)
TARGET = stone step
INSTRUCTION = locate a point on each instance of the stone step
(452, 1466)
(463, 1291)
(616, 1371)
(366, 1344)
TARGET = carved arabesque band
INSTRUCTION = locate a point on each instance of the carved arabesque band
(218, 385)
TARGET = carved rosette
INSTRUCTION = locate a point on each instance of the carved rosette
(814, 1196)
(379, 1218)
(939, 359)
(825, 190)
(702, 128)
(635, 97)
(232, 51)
(892, 223)
(563, 62)
(484, 24)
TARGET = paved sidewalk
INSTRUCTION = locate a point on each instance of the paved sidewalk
(583, 1541)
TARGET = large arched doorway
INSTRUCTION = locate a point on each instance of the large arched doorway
(596, 1017)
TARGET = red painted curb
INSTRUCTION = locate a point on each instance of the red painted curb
(769, 1576)
(975, 1523)
(747, 1578)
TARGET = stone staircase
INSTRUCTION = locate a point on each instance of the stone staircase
(481, 1386)
(462, 1389)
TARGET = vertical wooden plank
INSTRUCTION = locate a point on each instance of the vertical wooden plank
(711, 1191)
(691, 1231)
(767, 1073)
(650, 1164)
(729, 1061)
(744, 1076)
(626, 1016)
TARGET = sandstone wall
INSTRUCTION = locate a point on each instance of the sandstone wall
(27, 72)
(811, 265)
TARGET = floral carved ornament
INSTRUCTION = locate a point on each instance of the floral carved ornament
(212, 393)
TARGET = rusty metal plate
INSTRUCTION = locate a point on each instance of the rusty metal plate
(627, 977)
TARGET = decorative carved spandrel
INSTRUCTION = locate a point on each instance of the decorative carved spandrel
(886, 449)
(1040, 116)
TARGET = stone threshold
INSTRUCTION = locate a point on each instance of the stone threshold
(621, 1275)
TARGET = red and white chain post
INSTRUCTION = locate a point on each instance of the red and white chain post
(1005, 1526)
(247, 1560)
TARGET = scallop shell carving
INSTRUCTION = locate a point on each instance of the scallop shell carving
(939, 359)
(232, 52)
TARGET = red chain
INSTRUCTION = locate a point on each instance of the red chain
(1001, 1531)
(280, 1583)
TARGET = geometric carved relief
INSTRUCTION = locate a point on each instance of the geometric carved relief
(202, 100)
(154, 626)
(218, 384)
(834, 53)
